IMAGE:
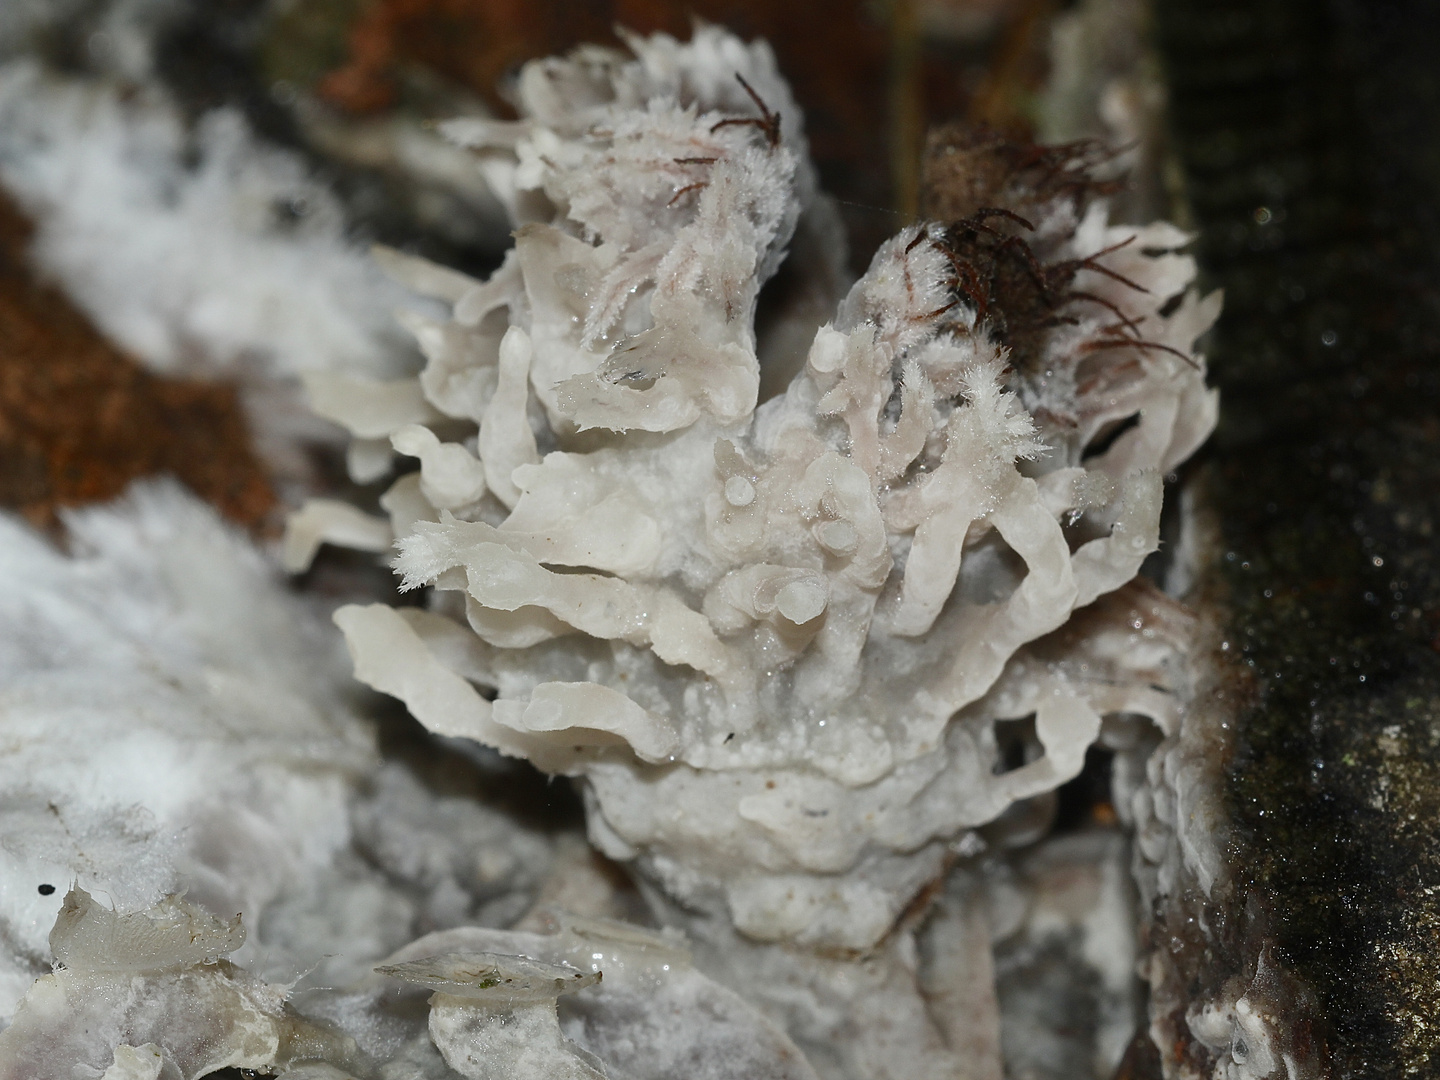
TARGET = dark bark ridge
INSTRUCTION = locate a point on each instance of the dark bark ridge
(1308, 135)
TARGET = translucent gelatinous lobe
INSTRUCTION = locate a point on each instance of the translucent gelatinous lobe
(144, 989)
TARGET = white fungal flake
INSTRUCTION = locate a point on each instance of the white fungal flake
(771, 639)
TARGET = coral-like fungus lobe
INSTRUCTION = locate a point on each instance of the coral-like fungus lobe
(79, 420)
(795, 622)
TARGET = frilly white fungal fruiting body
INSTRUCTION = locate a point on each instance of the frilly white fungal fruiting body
(771, 639)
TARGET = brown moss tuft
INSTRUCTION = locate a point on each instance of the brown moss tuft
(970, 166)
(987, 190)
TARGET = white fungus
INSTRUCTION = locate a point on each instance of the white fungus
(772, 639)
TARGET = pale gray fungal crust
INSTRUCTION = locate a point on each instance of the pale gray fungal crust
(143, 995)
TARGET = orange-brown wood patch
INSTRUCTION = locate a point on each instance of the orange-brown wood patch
(79, 420)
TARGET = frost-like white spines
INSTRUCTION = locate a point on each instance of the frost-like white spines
(772, 639)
